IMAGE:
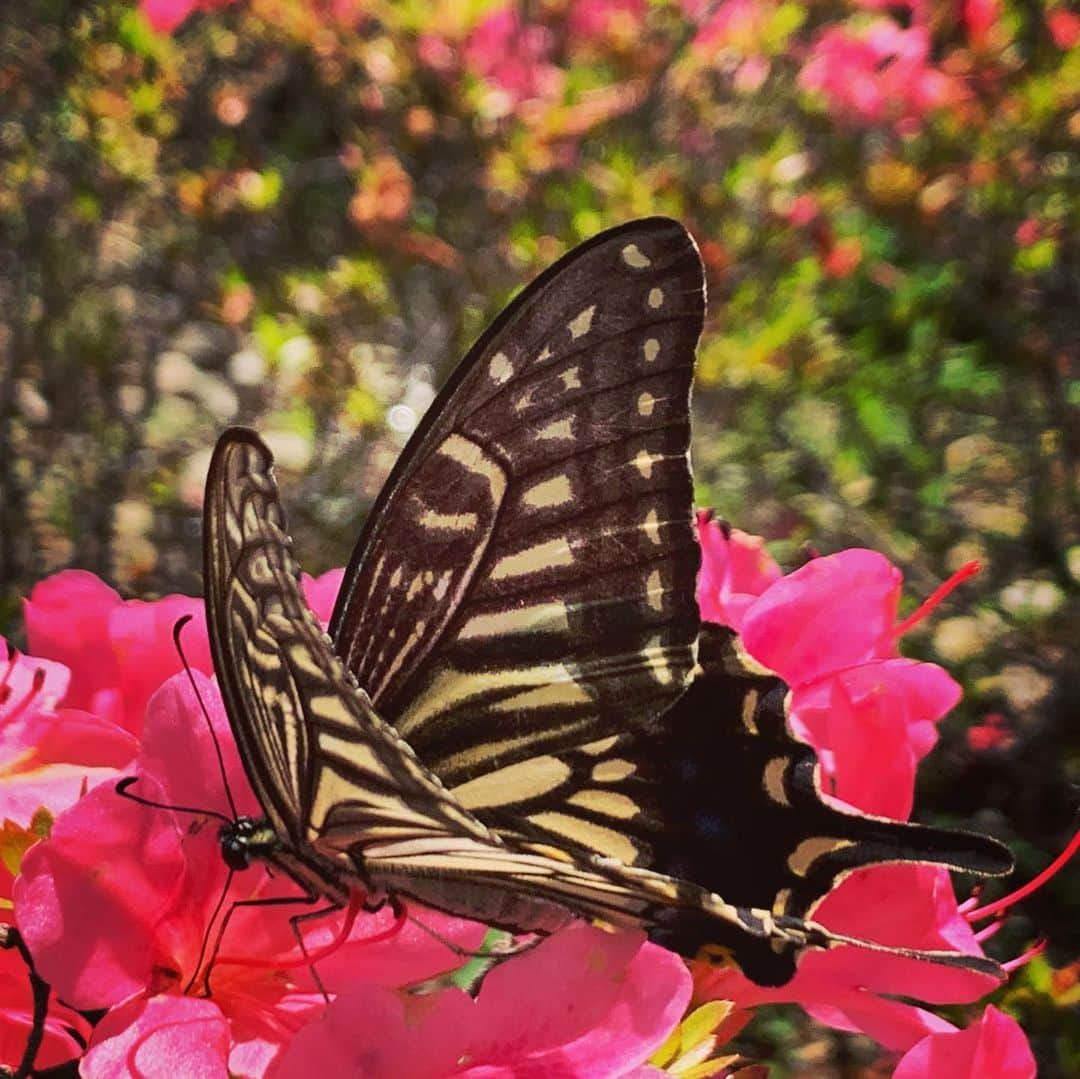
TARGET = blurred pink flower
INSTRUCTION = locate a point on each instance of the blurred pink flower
(993, 1048)
(1064, 27)
(585, 1003)
(512, 56)
(166, 15)
(1028, 232)
(995, 732)
(880, 74)
(589, 21)
(734, 24)
(980, 18)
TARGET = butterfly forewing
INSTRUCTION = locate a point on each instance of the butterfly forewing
(526, 581)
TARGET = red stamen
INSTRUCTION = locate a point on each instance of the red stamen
(969, 569)
(1036, 949)
(990, 931)
(972, 900)
(1013, 898)
(37, 683)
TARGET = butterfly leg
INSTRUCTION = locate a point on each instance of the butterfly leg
(217, 959)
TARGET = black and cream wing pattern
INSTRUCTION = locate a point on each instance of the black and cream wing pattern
(518, 716)
(524, 585)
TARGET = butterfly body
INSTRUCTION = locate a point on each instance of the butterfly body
(517, 716)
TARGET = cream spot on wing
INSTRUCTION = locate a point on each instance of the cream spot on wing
(652, 349)
(601, 745)
(395, 577)
(555, 552)
(544, 356)
(612, 771)
(644, 461)
(772, 780)
(651, 526)
(749, 710)
(654, 656)
(553, 492)
(570, 379)
(449, 522)
(608, 803)
(561, 429)
(656, 297)
(587, 834)
(654, 591)
(634, 258)
(581, 325)
(416, 586)
(514, 783)
(645, 404)
(500, 368)
(540, 618)
(553, 695)
(809, 850)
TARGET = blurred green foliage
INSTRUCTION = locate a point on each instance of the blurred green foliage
(298, 214)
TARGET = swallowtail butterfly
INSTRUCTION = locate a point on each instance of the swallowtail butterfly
(517, 716)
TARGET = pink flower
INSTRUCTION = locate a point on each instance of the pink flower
(166, 15)
(49, 756)
(735, 570)
(736, 24)
(1064, 27)
(59, 1043)
(1028, 232)
(119, 939)
(118, 651)
(512, 56)
(992, 1048)
(590, 21)
(995, 732)
(585, 1003)
(878, 75)
(981, 18)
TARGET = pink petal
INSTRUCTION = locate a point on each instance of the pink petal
(164, 1037)
(993, 1048)
(832, 613)
(66, 620)
(735, 570)
(321, 592)
(89, 898)
(871, 724)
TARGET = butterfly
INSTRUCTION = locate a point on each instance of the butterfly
(517, 715)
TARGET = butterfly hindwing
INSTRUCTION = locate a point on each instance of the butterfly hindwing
(525, 581)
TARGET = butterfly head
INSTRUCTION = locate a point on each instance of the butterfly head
(244, 839)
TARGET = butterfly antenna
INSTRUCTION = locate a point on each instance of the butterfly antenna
(122, 788)
(177, 630)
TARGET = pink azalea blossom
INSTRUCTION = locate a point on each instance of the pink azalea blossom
(880, 74)
(49, 756)
(137, 931)
(59, 1043)
(589, 21)
(118, 651)
(1064, 27)
(512, 56)
(735, 570)
(992, 1048)
(166, 15)
(585, 1003)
